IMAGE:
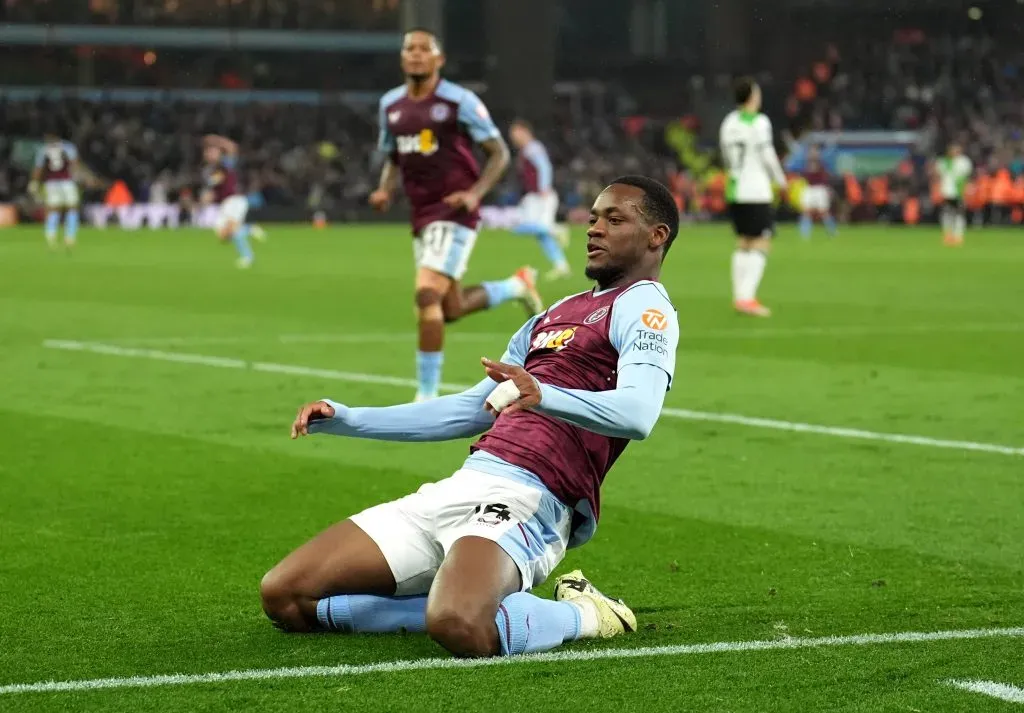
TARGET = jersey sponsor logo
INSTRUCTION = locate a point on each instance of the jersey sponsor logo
(555, 339)
(654, 319)
(440, 112)
(649, 340)
(423, 143)
(394, 116)
(596, 316)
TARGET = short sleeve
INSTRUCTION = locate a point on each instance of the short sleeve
(645, 329)
(385, 139)
(40, 157)
(475, 117)
(71, 151)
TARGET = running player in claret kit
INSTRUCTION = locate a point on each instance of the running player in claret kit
(457, 558)
(55, 164)
(816, 199)
(220, 188)
(538, 208)
(428, 127)
(954, 171)
(752, 164)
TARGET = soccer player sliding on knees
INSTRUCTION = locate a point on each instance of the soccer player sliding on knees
(458, 558)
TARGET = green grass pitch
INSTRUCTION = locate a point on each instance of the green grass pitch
(144, 491)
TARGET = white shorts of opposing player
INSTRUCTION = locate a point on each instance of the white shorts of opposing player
(234, 209)
(61, 194)
(415, 533)
(539, 209)
(816, 199)
(444, 247)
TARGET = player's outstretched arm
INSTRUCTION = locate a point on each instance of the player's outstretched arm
(456, 416)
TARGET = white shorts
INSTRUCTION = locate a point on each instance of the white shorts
(416, 532)
(61, 194)
(444, 247)
(816, 199)
(232, 210)
(539, 209)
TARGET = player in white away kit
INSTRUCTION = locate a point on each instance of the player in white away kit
(538, 210)
(954, 169)
(55, 164)
(752, 164)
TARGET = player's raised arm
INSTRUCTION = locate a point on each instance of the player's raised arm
(456, 416)
(768, 155)
(645, 332)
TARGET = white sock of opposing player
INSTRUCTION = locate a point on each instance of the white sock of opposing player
(739, 264)
(752, 274)
(945, 219)
(959, 223)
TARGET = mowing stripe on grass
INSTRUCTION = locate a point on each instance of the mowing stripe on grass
(263, 674)
(686, 414)
(746, 333)
(1001, 691)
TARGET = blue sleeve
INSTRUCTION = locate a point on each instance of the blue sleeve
(385, 140)
(71, 151)
(229, 162)
(475, 117)
(40, 157)
(456, 416)
(630, 410)
(645, 329)
(538, 156)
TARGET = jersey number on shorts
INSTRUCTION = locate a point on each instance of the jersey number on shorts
(437, 237)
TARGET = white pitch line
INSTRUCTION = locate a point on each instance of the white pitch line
(180, 679)
(1002, 691)
(686, 414)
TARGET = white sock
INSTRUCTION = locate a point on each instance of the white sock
(739, 264)
(590, 623)
(946, 222)
(959, 223)
(755, 263)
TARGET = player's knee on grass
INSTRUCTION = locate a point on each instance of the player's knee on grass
(462, 634)
(284, 605)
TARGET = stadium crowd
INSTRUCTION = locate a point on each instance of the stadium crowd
(964, 89)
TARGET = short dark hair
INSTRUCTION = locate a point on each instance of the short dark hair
(742, 88)
(425, 31)
(659, 205)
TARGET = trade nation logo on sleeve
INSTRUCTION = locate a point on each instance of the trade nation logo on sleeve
(654, 319)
